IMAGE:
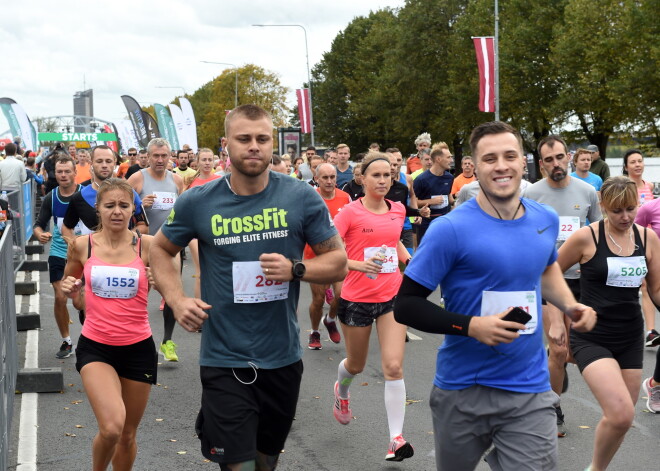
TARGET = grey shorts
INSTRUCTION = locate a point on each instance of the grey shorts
(523, 428)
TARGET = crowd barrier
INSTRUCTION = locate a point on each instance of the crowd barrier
(22, 205)
(8, 352)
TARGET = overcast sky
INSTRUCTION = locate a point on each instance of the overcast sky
(53, 49)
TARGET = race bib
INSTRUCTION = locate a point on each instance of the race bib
(445, 202)
(567, 226)
(78, 230)
(391, 262)
(494, 302)
(626, 272)
(251, 285)
(115, 282)
(164, 200)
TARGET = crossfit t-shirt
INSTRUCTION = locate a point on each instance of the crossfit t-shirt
(232, 231)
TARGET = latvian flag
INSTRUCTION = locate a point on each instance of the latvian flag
(303, 110)
(484, 47)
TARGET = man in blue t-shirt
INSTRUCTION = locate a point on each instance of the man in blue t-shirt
(494, 252)
(582, 162)
(251, 227)
(433, 187)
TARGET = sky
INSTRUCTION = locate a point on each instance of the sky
(53, 49)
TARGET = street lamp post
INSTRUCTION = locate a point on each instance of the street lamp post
(180, 88)
(309, 78)
(236, 84)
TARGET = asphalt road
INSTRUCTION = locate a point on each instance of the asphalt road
(167, 440)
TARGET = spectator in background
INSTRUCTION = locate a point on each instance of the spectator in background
(464, 178)
(305, 167)
(582, 162)
(633, 167)
(142, 162)
(344, 169)
(598, 165)
(423, 141)
(12, 169)
(82, 167)
(124, 166)
(297, 162)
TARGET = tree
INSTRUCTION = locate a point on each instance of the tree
(591, 49)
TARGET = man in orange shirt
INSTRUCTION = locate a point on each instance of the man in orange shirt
(126, 164)
(82, 167)
(335, 199)
(464, 178)
(414, 162)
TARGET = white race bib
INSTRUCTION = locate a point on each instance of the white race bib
(626, 272)
(251, 285)
(445, 202)
(79, 229)
(164, 200)
(567, 226)
(391, 259)
(494, 302)
(115, 282)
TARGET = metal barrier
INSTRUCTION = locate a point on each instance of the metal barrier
(22, 205)
(8, 353)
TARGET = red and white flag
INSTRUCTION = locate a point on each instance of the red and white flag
(485, 48)
(303, 110)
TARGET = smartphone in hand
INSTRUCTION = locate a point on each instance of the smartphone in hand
(517, 314)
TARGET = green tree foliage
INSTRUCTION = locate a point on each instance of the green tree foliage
(584, 67)
(590, 50)
(211, 101)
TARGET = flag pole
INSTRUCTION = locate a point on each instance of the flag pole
(497, 64)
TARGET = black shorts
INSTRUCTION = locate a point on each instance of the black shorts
(573, 285)
(237, 420)
(358, 314)
(137, 362)
(629, 355)
(56, 268)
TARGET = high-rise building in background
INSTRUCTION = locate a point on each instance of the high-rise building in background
(83, 105)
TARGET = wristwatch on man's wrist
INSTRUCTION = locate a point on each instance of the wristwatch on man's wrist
(298, 269)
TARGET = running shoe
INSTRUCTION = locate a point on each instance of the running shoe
(561, 427)
(315, 341)
(399, 449)
(168, 349)
(341, 409)
(653, 393)
(65, 351)
(652, 338)
(333, 333)
(329, 295)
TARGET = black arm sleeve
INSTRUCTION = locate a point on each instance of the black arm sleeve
(413, 309)
(45, 213)
(411, 212)
(71, 217)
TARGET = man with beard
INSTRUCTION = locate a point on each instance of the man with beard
(182, 168)
(54, 207)
(142, 162)
(252, 226)
(574, 201)
(82, 207)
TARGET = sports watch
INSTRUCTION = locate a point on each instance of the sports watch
(298, 269)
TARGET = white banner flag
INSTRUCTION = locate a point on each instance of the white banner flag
(189, 122)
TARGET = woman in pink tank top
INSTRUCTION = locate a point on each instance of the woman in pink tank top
(115, 355)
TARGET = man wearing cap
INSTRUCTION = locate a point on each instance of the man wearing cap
(598, 165)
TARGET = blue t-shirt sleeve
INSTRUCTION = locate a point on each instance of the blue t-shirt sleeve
(435, 256)
(318, 225)
(179, 227)
(138, 202)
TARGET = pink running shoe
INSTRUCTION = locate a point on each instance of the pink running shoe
(329, 295)
(399, 449)
(333, 333)
(341, 410)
